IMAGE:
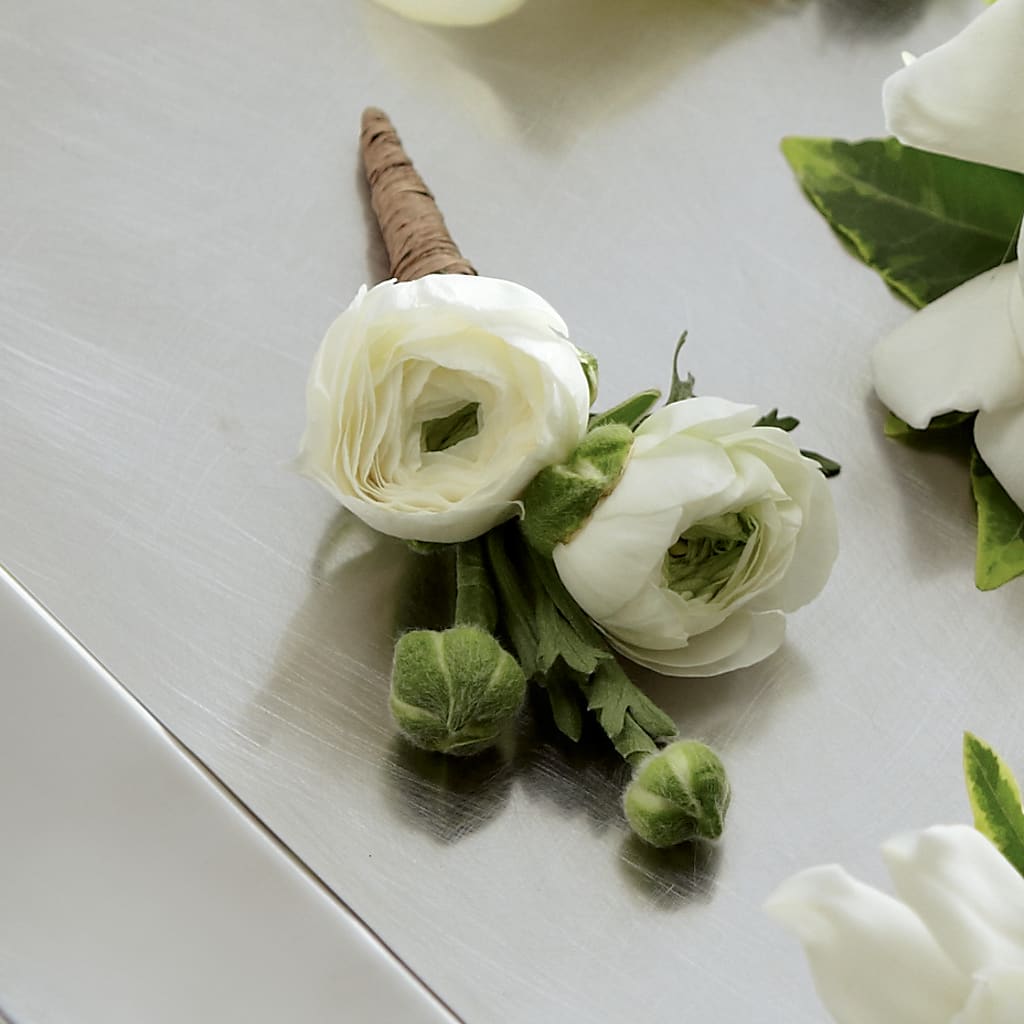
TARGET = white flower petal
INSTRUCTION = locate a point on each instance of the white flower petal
(873, 960)
(966, 98)
(453, 12)
(999, 436)
(406, 353)
(704, 416)
(741, 640)
(964, 890)
(997, 998)
(959, 352)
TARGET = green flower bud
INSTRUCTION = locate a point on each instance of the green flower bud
(678, 794)
(454, 692)
(561, 498)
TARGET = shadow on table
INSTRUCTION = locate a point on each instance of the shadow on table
(860, 18)
(327, 692)
(932, 479)
(589, 59)
(670, 878)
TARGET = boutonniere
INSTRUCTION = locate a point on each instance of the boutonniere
(453, 411)
(936, 211)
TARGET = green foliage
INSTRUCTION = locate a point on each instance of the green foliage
(995, 799)
(561, 649)
(630, 413)
(1000, 552)
(926, 223)
(680, 389)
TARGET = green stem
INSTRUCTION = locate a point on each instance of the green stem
(475, 603)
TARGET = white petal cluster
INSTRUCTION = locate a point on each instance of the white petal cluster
(965, 351)
(453, 12)
(714, 531)
(406, 354)
(947, 949)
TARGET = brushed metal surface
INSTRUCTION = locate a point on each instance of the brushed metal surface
(183, 218)
(133, 888)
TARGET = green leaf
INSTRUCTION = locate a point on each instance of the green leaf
(1000, 555)
(516, 602)
(632, 721)
(829, 466)
(446, 431)
(680, 389)
(926, 223)
(562, 689)
(896, 428)
(995, 799)
(773, 419)
(629, 413)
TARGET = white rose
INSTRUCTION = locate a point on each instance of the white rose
(406, 354)
(715, 529)
(949, 950)
(453, 12)
(965, 351)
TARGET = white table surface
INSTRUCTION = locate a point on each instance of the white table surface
(133, 888)
(184, 216)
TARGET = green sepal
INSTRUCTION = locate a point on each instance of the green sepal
(588, 363)
(995, 799)
(828, 466)
(560, 498)
(926, 223)
(1000, 551)
(681, 389)
(773, 419)
(630, 413)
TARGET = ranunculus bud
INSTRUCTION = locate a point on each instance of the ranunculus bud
(678, 794)
(454, 692)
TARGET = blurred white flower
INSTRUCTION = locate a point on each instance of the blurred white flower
(431, 404)
(948, 950)
(453, 12)
(714, 531)
(965, 351)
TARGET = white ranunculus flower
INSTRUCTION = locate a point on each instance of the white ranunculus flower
(715, 529)
(405, 355)
(948, 950)
(965, 351)
(453, 12)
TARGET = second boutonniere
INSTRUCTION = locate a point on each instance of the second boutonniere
(453, 411)
(937, 213)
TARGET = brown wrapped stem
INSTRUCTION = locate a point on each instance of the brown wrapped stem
(414, 231)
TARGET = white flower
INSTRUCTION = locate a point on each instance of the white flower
(715, 529)
(404, 355)
(453, 12)
(948, 950)
(965, 351)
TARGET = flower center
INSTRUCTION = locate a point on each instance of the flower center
(703, 560)
(447, 431)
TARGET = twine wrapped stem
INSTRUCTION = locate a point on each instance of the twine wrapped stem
(415, 236)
